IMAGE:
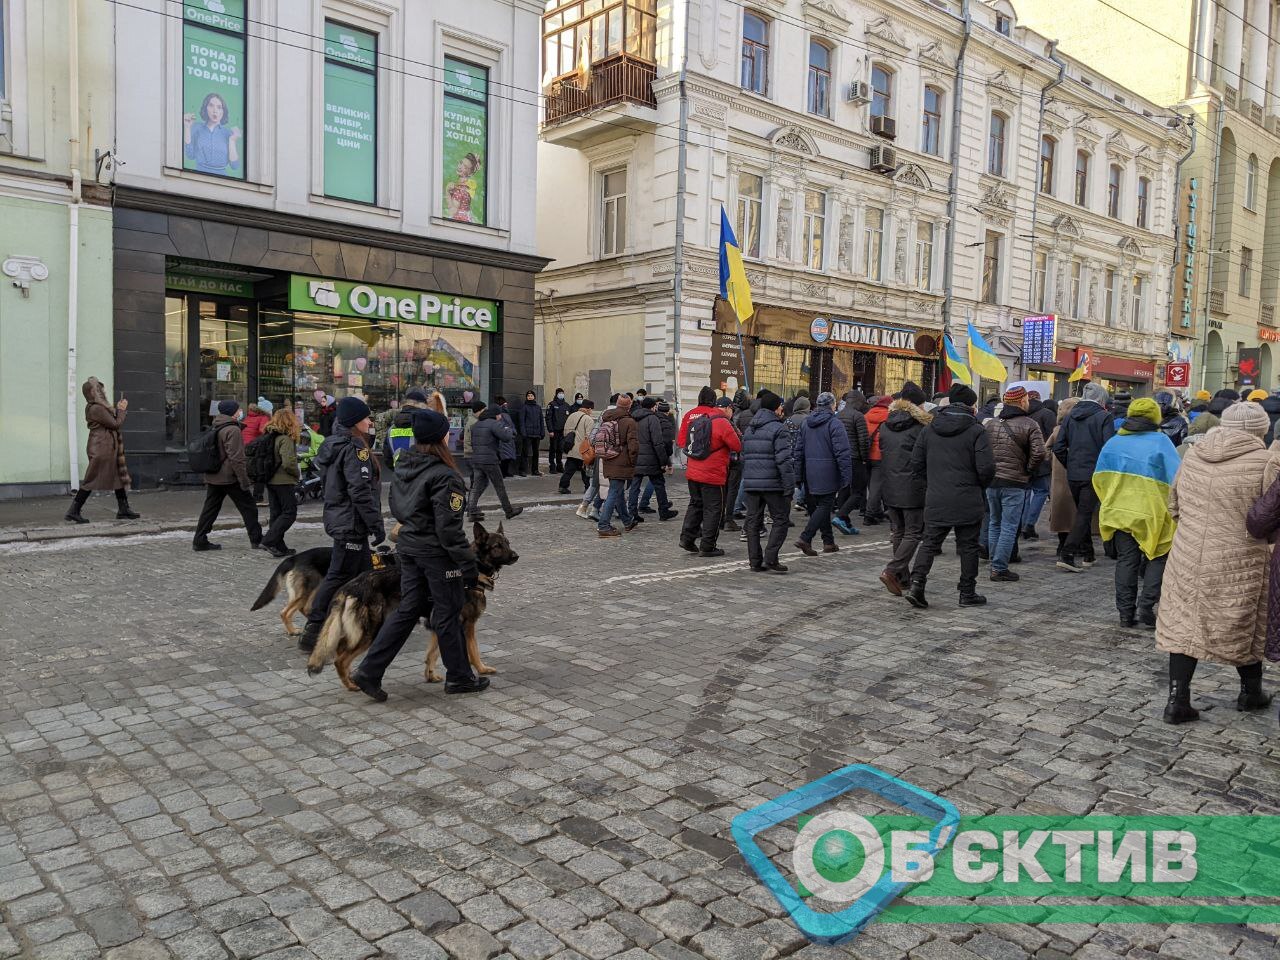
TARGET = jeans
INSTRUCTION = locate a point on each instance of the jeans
(1004, 513)
(874, 509)
(779, 512)
(703, 515)
(820, 506)
(1037, 496)
(906, 527)
(284, 511)
(616, 500)
(528, 459)
(349, 559)
(573, 465)
(483, 474)
(555, 455)
(1080, 540)
(740, 504)
(214, 494)
(656, 484)
(428, 587)
(1132, 565)
(931, 546)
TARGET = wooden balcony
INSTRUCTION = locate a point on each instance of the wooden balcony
(1268, 315)
(619, 79)
(1217, 302)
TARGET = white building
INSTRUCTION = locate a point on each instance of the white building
(825, 130)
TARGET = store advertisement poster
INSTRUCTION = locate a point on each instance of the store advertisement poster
(212, 102)
(350, 114)
(465, 141)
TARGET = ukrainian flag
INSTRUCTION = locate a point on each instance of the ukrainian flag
(733, 278)
(954, 363)
(983, 359)
(1132, 480)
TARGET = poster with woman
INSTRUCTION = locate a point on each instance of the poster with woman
(213, 93)
(465, 140)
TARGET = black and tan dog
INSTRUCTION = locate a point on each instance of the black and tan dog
(300, 575)
(362, 605)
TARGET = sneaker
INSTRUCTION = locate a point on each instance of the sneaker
(593, 514)
(806, 549)
(669, 515)
(564, 493)
(583, 511)
(776, 567)
(611, 532)
(1070, 564)
(474, 685)
(713, 552)
(972, 600)
(1004, 576)
(891, 583)
(514, 512)
(205, 545)
(279, 552)
(648, 510)
(687, 545)
(845, 527)
(830, 548)
(368, 687)
(730, 525)
(632, 525)
(1089, 561)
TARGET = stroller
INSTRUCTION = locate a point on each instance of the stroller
(311, 483)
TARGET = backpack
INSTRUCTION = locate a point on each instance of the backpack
(605, 440)
(205, 451)
(698, 441)
(262, 458)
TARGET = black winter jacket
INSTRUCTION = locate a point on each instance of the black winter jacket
(953, 457)
(653, 455)
(902, 489)
(488, 434)
(1272, 405)
(1174, 426)
(767, 466)
(557, 414)
(529, 421)
(1047, 420)
(1080, 438)
(428, 498)
(855, 425)
(352, 487)
(668, 421)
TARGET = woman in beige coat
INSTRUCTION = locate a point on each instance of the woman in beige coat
(1062, 509)
(106, 470)
(1218, 608)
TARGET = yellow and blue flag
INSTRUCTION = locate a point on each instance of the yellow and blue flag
(733, 277)
(1084, 369)
(1132, 480)
(954, 363)
(982, 358)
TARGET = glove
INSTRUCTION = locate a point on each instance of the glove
(470, 582)
(378, 536)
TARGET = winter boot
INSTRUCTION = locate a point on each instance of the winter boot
(122, 507)
(972, 600)
(73, 514)
(1179, 709)
(1252, 696)
(915, 597)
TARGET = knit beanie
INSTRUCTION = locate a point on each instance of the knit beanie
(417, 395)
(706, 397)
(962, 394)
(1258, 395)
(649, 402)
(1219, 404)
(1097, 393)
(826, 399)
(1015, 394)
(429, 426)
(228, 408)
(769, 400)
(1146, 408)
(266, 406)
(351, 410)
(1247, 416)
(1203, 395)
(724, 402)
(912, 393)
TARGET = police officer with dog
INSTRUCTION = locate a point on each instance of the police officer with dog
(437, 564)
(352, 507)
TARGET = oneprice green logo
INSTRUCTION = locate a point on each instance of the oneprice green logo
(925, 864)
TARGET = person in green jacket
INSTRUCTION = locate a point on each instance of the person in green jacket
(280, 488)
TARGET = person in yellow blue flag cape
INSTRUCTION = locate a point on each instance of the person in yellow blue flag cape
(1132, 479)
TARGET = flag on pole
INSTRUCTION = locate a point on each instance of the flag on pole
(982, 358)
(1084, 368)
(954, 363)
(733, 277)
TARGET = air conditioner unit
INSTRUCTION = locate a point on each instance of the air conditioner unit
(858, 92)
(885, 127)
(884, 159)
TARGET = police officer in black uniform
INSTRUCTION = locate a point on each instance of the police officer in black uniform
(437, 564)
(352, 506)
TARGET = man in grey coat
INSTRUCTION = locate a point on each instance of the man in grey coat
(490, 432)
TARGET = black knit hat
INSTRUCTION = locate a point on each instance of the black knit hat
(228, 408)
(429, 426)
(962, 394)
(769, 400)
(913, 394)
(351, 410)
(706, 397)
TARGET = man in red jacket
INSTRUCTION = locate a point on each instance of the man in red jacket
(873, 513)
(707, 474)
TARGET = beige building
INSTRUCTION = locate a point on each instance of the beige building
(1219, 61)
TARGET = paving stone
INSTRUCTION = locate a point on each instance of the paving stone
(374, 920)
(411, 945)
(145, 949)
(529, 941)
(490, 912)
(466, 941)
(678, 919)
(112, 926)
(342, 944)
(634, 890)
(256, 938)
(429, 911)
(597, 940)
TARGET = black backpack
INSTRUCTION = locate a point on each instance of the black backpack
(698, 441)
(205, 451)
(262, 458)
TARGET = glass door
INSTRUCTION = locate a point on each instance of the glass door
(223, 370)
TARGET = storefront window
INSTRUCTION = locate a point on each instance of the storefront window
(892, 372)
(175, 373)
(781, 369)
(224, 356)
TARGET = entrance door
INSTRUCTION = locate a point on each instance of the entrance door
(222, 366)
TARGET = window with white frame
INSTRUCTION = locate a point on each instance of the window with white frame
(1246, 271)
(819, 78)
(613, 212)
(815, 225)
(1144, 201)
(997, 134)
(1111, 281)
(931, 125)
(1004, 25)
(881, 91)
(750, 213)
(873, 244)
(1251, 182)
(924, 254)
(1114, 175)
(991, 250)
(1077, 282)
(1082, 178)
(755, 53)
(1048, 154)
(1139, 300)
(1040, 280)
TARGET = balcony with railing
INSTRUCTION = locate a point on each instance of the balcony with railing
(1217, 301)
(618, 79)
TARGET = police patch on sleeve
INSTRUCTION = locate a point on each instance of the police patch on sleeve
(363, 453)
(455, 502)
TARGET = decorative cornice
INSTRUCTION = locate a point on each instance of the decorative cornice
(826, 17)
(912, 175)
(881, 33)
(794, 139)
(935, 54)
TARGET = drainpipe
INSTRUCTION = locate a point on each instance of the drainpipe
(682, 163)
(73, 230)
(953, 180)
(1213, 239)
(1177, 207)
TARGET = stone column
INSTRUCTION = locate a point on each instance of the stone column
(1255, 90)
(1204, 40)
(1233, 42)
(1273, 101)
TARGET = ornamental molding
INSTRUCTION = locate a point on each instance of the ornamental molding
(1118, 148)
(935, 54)
(999, 82)
(912, 175)
(1066, 226)
(710, 110)
(22, 270)
(794, 139)
(827, 16)
(885, 36)
(1086, 131)
(1130, 247)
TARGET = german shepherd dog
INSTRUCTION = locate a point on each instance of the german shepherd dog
(300, 575)
(362, 605)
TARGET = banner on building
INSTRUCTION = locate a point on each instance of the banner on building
(465, 141)
(350, 113)
(213, 79)
(1177, 374)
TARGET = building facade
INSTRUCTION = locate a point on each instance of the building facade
(320, 199)
(1217, 62)
(55, 236)
(882, 174)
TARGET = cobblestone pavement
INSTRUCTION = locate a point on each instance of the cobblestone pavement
(172, 783)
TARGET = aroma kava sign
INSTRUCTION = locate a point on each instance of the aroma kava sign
(376, 302)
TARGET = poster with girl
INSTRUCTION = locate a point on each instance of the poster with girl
(466, 130)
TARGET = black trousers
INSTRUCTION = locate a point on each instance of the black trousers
(214, 494)
(703, 515)
(731, 491)
(1132, 565)
(483, 474)
(284, 511)
(429, 587)
(873, 509)
(528, 460)
(931, 545)
(854, 496)
(573, 465)
(779, 505)
(349, 559)
(555, 456)
(906, 526)
(1080, 540)
(819, 506)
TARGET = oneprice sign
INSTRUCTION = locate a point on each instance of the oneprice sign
(375, 302)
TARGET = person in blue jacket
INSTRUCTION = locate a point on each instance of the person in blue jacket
(532, 428)
(213, 146)
(824, 464)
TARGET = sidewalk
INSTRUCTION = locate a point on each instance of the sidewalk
(40, 518)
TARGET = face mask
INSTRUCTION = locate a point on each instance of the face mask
(559, 396)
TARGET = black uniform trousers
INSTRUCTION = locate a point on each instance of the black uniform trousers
(429, 587)
(349, 559)
(779, 505)
(734, 480)
(931, 545)
(284, 511)
(703, 514)
(555, 453)
(214, 494)
(528, 456)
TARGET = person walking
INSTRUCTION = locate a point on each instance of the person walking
(352, 507)
(1080, 438)
(668, 421)
(508, 450)
(107, 469)
(953, 457)
(255, 422)
(855, 425)
(768, 476)
(653, 461)
(1062, 509)
(876, 416)
(824, 464)
(437, 564)
(490, 432)
(903, 491)
(287, 431)
(617, 446)
(707, 438)
(733, 477)
(578, 426)
(231, 479)
(1218, 611)
(532, 428)
(557, 416)
(1132, 480)
(800, 410)
(1017, 446)
(742, 418)
(1042, 478)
